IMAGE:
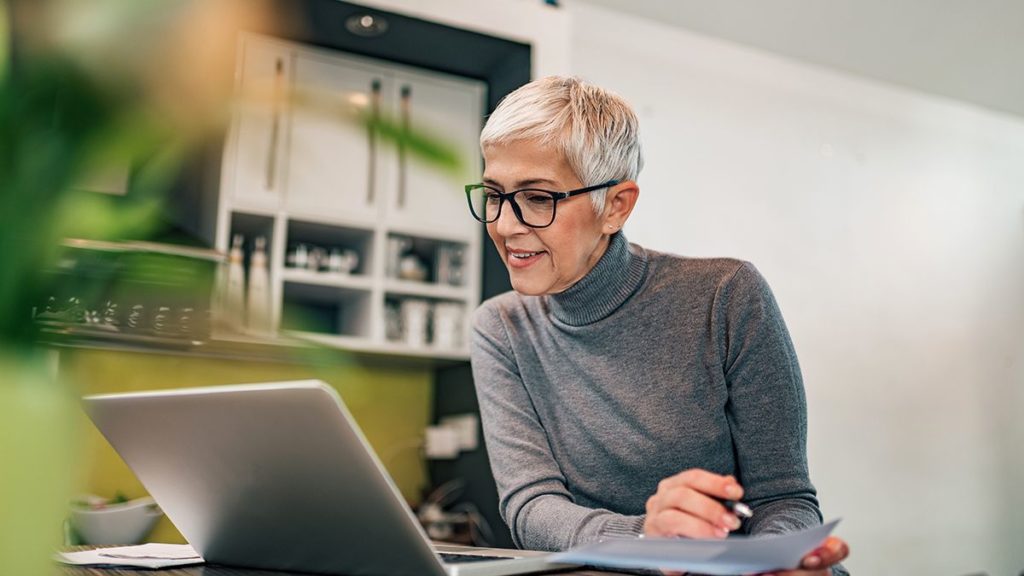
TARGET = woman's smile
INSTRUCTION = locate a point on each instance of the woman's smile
(523, 258)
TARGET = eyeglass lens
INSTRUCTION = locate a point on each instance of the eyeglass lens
(536, 208)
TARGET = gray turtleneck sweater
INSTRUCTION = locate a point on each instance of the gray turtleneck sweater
(650, 365)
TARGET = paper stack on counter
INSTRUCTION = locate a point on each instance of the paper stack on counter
(141, 556)
(735, 555)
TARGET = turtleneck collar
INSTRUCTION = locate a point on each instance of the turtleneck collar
(608, 285)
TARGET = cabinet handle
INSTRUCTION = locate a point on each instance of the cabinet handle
(371, 137)
(275, 124)
(402, 168)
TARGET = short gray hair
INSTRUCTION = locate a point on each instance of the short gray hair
(596, 130)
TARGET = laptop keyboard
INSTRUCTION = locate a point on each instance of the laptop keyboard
(463, 558)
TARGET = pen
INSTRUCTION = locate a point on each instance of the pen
(740, 509)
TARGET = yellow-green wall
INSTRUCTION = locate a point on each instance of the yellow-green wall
(390, 401)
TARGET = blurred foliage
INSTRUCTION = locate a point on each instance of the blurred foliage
(59, 123)
(92, 86)
(428, 146)
(103, 84)
(56, 126)
(62, 119)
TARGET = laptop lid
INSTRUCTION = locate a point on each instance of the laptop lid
(274, 476)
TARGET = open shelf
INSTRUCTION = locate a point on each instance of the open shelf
(425, 290)
(326, 310)
(330, 279)
(250, 227)
(414, 322)
(426, 260)
(329, 248)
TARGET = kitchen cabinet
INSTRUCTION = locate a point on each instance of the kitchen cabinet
(369, 247)
(424, 199)
(256, 147)
(334, 163)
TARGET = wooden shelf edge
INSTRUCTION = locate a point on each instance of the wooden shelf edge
(427, 290)
(330, 279)
(357, 344)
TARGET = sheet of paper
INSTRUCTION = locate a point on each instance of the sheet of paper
(141, 556)
(736, 555)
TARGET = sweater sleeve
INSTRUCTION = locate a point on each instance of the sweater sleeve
(766, 410)
(533, 498)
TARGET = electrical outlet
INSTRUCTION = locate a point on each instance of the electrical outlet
(441, 443)
(466, 426)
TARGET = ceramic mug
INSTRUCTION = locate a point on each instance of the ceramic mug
(448, 325)
(414, 313)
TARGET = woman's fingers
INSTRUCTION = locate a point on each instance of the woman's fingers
(691, 501)
(832, 551)
(725, 487)
(688, 504)
(672, 522)
(819, 562)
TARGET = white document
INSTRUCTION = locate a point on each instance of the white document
(141, 556)
(735, 555)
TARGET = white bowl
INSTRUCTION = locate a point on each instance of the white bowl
(125, 523)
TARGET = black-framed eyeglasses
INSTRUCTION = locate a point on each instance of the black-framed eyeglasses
(532, 206)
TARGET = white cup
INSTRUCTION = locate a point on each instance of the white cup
(414, 313)
(448, 325)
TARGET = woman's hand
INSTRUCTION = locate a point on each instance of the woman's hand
(685, 505)
(820, 560)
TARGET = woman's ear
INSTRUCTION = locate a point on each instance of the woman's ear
(619, 202)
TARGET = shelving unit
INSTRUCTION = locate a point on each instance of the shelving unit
(423, 290)
(358, 233)
(327, 310)
(327, 279)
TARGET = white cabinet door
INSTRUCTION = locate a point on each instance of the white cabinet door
(260, 128)
(334, 161)
(424, 198)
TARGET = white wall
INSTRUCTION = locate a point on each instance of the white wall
(891, 227)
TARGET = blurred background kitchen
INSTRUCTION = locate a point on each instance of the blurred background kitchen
(200, 193)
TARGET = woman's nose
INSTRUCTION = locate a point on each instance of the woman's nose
(507, 223)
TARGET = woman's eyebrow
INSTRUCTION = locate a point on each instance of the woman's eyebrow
(534, 182)
(522, 183)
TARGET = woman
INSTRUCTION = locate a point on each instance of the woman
(624, 391)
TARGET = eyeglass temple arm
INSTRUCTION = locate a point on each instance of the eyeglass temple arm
(607, 184)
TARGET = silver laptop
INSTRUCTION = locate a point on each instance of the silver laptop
(278, 476)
